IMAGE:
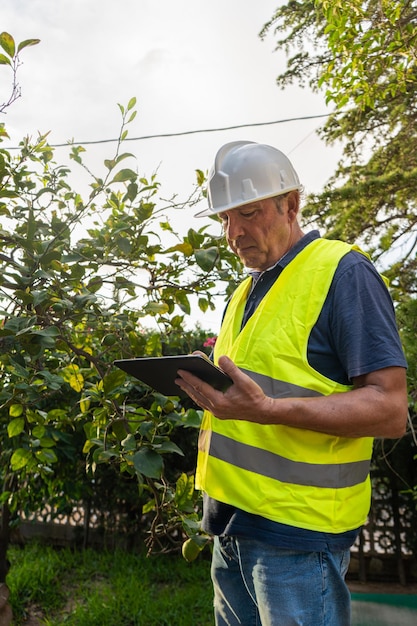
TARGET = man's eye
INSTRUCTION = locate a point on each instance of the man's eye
(248, 214)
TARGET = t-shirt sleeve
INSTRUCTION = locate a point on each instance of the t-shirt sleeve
(362, 318)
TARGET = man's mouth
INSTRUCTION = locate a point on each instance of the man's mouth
(246, 249)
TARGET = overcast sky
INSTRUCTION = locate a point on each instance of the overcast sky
(191, 64)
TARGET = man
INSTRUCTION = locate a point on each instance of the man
(310, 342)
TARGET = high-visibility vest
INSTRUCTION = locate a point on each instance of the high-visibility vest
(289, 475)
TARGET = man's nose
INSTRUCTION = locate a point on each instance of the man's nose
(234, 228)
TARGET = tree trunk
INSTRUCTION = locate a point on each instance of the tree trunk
(5, 608)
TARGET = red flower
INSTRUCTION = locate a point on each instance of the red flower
(209, 342)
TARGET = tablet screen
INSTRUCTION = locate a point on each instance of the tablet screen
(160, 372)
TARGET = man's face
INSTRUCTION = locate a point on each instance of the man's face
(260, 233)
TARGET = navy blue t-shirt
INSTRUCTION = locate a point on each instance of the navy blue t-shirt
(355, 334)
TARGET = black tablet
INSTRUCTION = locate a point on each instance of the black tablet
(161, 371)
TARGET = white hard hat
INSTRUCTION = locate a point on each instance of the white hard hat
(245, 172)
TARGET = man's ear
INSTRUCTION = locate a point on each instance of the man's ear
(293, 203)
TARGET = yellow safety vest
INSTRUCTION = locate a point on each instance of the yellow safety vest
(289, 475)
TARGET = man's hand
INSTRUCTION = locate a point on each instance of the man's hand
(243, 400)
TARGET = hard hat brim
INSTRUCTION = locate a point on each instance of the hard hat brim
(235, 205)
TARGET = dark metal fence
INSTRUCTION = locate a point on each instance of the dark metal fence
(386, 549)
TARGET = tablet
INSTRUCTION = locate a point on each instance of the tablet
(159, 372)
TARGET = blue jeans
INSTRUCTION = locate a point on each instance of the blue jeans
(256, 584)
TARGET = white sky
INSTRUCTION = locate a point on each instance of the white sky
(191, 64)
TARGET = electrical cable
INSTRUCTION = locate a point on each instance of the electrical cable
(186, 132)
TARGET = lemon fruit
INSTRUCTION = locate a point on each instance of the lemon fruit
(190, 550)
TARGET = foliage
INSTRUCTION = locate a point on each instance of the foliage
(407, 456)
(82, 282)
(11, 58)
(360, 52)
(407, 319)
(90, 588)
(363, 54)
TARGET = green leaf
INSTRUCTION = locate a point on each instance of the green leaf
(38, 431)
(184, 247)
(119, 429)
(124, 244)
(73, 377)
(169, 446)
(4, 496)
(206, 258)
(19, 369)
(20, 458)
(15, 427)
(195, 238)
(76, 382)
(124, 175)
(8, 44)
(148, 462)
(131, 103)
(181, 299)
(114, 380)
(95, 284)
(4, 61)
(132, 192)
(109, 163)
(39, 297)
(56, 414)
(148, 507)
(201, 179)
(85, 405)
(104, 456)
(203, 304)
(47, 442)
(15, 410)
(46, 336)
(46, 455)
(192, 418)
(156, 307)
(129, 443)
(184, 490)
(121, 157)
(26, 43)
(50, 331)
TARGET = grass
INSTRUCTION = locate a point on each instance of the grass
(92, 588)
(60, 587)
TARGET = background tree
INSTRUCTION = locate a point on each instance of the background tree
(83, 281)
(364, 56)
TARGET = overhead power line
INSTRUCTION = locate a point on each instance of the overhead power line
(186, 132)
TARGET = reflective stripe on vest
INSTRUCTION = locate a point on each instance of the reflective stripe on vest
(280, 388)
(268, 464)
